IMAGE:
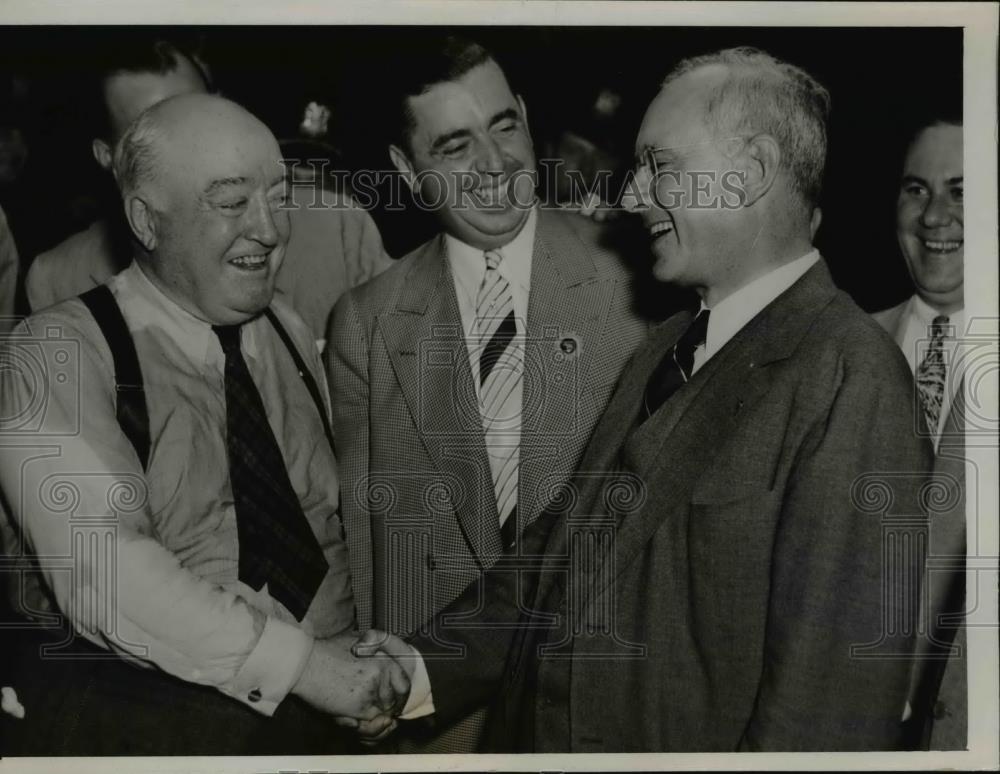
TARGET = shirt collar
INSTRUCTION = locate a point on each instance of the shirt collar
(469, 266)
(925, 314)
(149, 307)
(730, 315)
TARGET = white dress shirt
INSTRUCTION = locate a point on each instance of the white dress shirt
(468, 267)
(178, 602)
(729, 316)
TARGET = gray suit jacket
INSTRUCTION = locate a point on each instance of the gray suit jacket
(417, 494)
(939, 694)
(742, 599)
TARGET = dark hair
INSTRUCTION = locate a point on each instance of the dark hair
(944, 112)
(423, 64)
(138, 53)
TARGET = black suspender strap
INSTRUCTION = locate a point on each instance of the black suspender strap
(130, 397)
(304, 372)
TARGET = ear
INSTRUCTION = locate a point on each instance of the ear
(102, 152)
(402, 162)
(815, 221)
(142, 221)
(762, 159)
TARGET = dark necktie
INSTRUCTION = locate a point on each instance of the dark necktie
(675, 368)
(930, 376)
(277, 545)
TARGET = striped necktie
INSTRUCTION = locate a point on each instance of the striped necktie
(500, 368)
(930, 376)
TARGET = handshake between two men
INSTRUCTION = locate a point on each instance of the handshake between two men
(365, 683)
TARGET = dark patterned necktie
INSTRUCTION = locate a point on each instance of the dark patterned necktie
(277, 545)
(676, 366)
(930, 376)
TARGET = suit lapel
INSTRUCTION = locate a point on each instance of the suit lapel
(682, 438)
(426, 345)
(567, 306)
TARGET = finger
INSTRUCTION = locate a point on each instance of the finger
(370, 741)
(369, 643)
(386, 690)
(400, 684)
(345, 722)
(377, 727)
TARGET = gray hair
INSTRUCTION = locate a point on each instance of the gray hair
(135, 157)
(764, 94)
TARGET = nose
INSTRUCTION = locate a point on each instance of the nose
(937, 213)
(489, 159)
(637, 194)
(261, 226)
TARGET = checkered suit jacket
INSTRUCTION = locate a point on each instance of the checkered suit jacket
(417, 497)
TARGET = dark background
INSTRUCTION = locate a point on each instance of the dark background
(880, 81)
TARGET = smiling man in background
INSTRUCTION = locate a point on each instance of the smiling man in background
(467, 379)
(928, 326)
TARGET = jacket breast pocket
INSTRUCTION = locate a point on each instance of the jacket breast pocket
(730, 534)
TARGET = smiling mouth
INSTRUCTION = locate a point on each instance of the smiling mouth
(250, 262)
(492, 195)
(942, 246)
(656, 230)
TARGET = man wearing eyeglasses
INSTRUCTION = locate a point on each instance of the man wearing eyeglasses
(467, 379)
(751, 595)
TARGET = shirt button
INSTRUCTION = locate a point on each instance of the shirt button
(255, 695)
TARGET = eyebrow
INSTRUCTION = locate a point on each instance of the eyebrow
(918, 179)
(224, 182)
(503, 115)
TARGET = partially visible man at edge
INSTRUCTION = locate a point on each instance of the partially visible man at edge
(227, 568)
(928, 327)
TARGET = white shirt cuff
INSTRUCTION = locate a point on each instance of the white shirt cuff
(272, 668)
(420, 702)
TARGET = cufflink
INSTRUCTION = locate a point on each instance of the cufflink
(255, 695)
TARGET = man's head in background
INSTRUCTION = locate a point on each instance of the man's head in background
(462, 142)
(131, 75)
(930, 220)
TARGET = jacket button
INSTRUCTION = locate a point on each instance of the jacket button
(255, 695)
(940, 710)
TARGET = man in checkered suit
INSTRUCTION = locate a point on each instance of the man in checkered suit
(466, 380)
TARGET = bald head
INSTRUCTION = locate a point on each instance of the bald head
(184, 136)
(202, 182)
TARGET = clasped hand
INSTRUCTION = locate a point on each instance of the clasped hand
(363, 682)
